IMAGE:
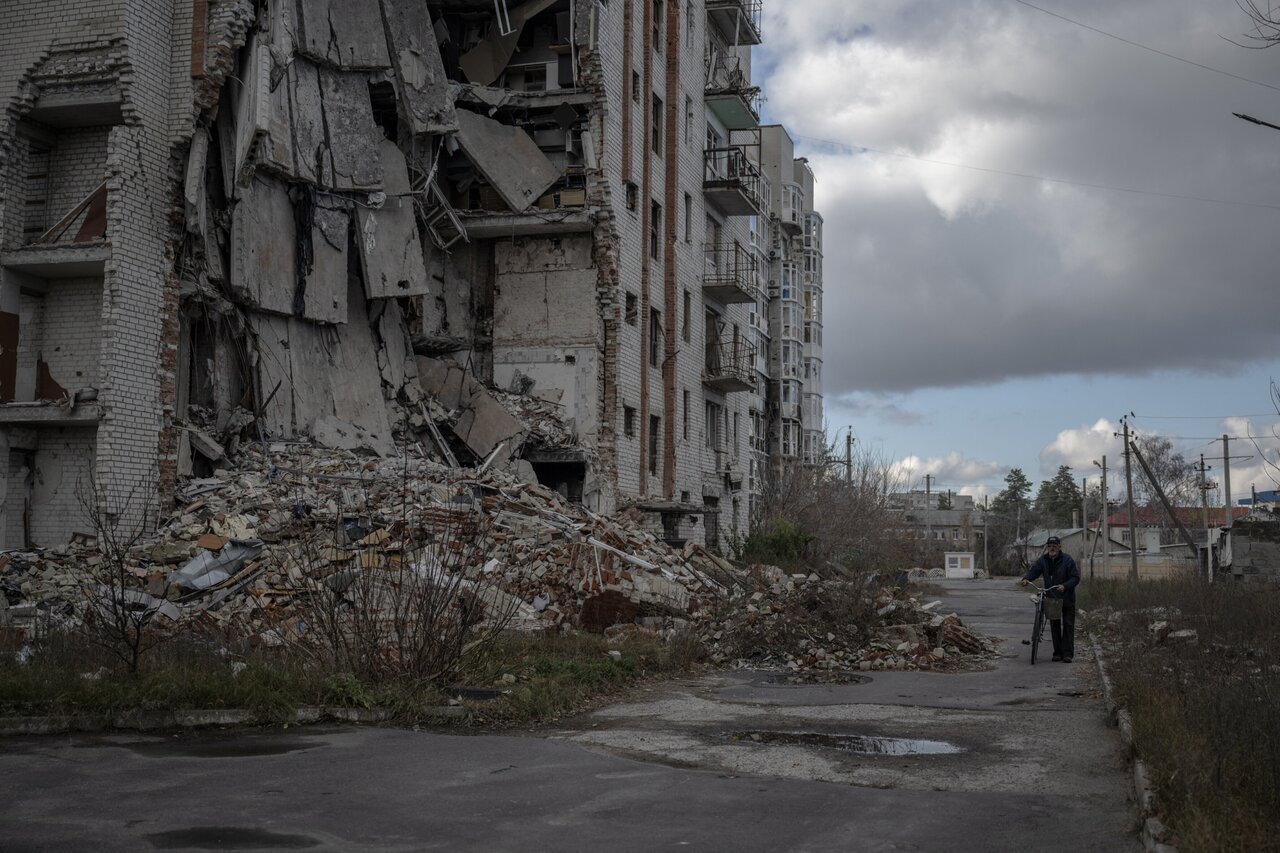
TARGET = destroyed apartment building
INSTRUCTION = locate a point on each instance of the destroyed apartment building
(549, 235)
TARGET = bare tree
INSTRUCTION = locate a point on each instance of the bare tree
(118, 615)
(1174, 474)
(1266, 24)
(817, 515)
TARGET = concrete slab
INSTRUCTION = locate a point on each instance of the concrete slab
(421, 82)
(507, 157)
(342, 34)
(390, 249)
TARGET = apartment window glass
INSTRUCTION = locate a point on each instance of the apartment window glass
(688, 116)
(628, 422)
(655, 336)
(684, 411)
(655, 229)
(655, 431)
(659, 20)
(657, 125)
(688, 218)
(686, 331)
(635, 86)
(633, 310)
(633, 196)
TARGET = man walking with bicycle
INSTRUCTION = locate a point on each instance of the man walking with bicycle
(1061, 577)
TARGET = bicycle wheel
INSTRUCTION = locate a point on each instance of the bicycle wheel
(1035, 634)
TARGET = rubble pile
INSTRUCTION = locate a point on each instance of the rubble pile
(242, 555)
(807, 624)
(246, 543)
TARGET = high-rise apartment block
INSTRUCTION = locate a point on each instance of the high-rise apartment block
(227, 221)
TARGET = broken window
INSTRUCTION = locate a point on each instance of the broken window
(657, 125)
(655, 430)
(686, 332)
(632, 309)
(37, 192)
(685, 414)
(688, 218)
(688, 118)
(713, 425)
(635, 86)
(633, 196)
(655, 336)
(655, 229)
(659, 19)
(628, 422)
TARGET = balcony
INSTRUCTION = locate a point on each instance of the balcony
(730, 95)
(730, 367)
(732, 182)
(739, 20)
(730, 274)
(813, 233)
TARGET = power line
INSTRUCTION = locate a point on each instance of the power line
(862, 149)
(1141, 46)
(1204, 417)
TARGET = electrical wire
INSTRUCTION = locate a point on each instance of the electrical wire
(1147, 48)
(1205, 417)
(862, 149)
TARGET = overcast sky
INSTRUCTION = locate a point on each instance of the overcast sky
(978, 321)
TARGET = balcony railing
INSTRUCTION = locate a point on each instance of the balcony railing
(730, 94)
(731, 274)
(730, 367)
(738, 20)
(732, 182)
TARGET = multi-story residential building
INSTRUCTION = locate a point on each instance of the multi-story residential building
(240, 222)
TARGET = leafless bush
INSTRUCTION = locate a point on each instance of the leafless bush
(406, 601)
(118, 615)
(1205, 708)
(822, 514)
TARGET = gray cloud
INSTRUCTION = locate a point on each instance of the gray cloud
(939, 276)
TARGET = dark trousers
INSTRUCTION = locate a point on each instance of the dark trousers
(1063, 632)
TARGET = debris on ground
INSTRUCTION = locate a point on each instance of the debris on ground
(240, 556)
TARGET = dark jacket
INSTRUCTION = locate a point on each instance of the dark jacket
(1058, 570)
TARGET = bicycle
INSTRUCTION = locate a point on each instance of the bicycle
(1037, 631)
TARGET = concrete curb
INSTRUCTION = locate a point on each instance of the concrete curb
(1153, 829)
(165, 720)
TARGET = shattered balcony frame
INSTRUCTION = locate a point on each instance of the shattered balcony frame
(730, 367)
(730, 95)
(730, 273)
(737, 19)
(732, 182)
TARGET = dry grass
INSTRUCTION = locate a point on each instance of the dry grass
(1206, 713)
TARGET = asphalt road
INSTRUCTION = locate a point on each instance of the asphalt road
(1017, 757)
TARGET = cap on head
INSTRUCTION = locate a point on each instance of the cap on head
(1052, 540)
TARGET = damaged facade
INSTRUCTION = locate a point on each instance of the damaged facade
(548, 235)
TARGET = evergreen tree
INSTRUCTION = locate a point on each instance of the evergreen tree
(1015, 496)
(1058, 498)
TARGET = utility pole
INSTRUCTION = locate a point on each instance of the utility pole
(928, 515)
(986, 509)
(848, 456)
(1106, 521)
(1084, 507)
(1128, 484)
(1226, 480)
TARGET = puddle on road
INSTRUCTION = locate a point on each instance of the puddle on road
(241, 746)
(860, 744)
(228, 838)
